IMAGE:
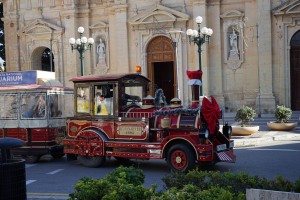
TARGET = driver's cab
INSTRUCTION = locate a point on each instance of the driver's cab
(95, 98)
(110, 95)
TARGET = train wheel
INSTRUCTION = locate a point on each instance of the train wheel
(181, 158)
(32, 158)
(95, 161)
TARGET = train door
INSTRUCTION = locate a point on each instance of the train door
(295, 71)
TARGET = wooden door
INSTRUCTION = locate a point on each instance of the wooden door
(161, 66)
(295, 78)
(164, 79)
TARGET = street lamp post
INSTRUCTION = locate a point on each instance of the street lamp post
(81, 44)
(199, 37)
(51, 56)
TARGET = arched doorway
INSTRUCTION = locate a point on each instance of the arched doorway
(161, 66)
(41, 59)
(47, 64)
(295, 71)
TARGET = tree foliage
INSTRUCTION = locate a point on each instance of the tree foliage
(282, 114)
(245, 115)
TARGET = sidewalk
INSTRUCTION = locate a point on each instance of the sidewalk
(264, 136)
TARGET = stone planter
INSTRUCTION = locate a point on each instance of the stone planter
(282, 126)
(246, 130)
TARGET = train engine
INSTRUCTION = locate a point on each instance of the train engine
(115, 117)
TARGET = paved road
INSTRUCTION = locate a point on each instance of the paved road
(54, 179)
(266, 154)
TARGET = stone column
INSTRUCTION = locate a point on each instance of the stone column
(249, 69)
(12, 51)
(71, 60)
(214, 67)
(11, 24)
(57, 49)
(265, 100)
(121, 39)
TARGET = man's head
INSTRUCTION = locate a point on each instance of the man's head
(98, 94)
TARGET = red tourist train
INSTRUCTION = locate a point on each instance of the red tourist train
(33, 108)
(114, 118)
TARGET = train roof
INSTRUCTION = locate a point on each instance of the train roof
(108, 77)
(32, 87)
(30, 81)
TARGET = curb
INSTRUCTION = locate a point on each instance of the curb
(47, 196)
(250, 142)
(288, 137)
(267, 138)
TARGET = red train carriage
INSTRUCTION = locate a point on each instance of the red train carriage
(33, 108)
(111, 119)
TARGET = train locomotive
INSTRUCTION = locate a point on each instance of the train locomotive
(114, 116)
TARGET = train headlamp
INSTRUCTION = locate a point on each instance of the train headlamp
(206, 133)
(230, 131)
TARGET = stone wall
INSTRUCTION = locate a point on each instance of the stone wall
(253, 70)
(255, 194)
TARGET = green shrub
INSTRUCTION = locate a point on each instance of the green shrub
(125, 183)
(90, 189)
(218, 193)
(131, 175)
(122, 183)
(282, 114)
(192, 192)
(234, 183)
(296, 186)
(245, 115)
(281, 184)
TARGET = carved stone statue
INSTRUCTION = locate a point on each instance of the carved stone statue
(101, 51)
(233, 41)
(2, 68)
(234, 51)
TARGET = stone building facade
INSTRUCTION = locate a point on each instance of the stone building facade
(252, 58)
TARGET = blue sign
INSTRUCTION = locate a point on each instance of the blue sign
(18, 78)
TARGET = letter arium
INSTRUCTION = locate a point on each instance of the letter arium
(116, 117)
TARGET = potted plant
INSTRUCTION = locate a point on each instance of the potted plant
(282, 123)
(244, 115)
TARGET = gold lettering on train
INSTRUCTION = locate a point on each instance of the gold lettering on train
(130, 130)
